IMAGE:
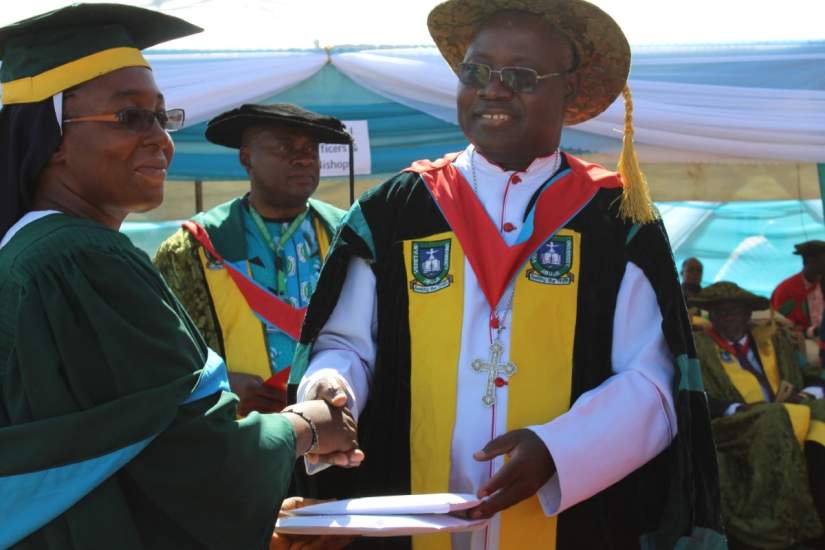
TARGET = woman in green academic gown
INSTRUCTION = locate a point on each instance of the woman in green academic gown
(117, 429)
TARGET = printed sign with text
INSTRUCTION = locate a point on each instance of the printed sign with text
(335, 156)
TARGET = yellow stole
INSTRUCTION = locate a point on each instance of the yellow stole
(748, 386)
(745, 382)
(542, 336)
(243, 334)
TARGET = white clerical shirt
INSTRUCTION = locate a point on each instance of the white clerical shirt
(608, 432)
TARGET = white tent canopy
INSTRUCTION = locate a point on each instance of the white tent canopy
(690, 120)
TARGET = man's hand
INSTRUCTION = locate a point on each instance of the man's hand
(337, 431)
(305, 542)
(529, 467)
(800, 397)
(331, 390)
(255, 395)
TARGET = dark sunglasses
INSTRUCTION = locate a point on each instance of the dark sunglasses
(138, 120)
(515, 79)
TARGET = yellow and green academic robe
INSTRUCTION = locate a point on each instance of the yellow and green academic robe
(772, 455)
(424, 238)
(117, 429)
(217, 269)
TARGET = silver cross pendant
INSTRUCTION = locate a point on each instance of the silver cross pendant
(493, 368)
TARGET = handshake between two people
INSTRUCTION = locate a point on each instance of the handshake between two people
(529, 467)
(325, 429)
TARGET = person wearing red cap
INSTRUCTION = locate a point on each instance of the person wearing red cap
(799, 297)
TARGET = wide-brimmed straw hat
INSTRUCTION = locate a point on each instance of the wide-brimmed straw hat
(603, 51)
(725, 291)
(603, 65)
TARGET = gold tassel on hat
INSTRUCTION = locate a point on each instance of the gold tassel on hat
(636, 204)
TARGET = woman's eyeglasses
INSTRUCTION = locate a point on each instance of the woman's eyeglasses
(138, 120)
(515, 79)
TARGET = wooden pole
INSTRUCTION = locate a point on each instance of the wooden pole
(198, 196)
(351, 175)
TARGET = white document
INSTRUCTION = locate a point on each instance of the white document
(387, 516)
(433, 503)
(374, 526)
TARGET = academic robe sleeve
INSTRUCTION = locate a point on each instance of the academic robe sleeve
(346, 346)
(637, 399)
(102, 359)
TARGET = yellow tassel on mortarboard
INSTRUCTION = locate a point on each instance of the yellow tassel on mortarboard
(636, 205)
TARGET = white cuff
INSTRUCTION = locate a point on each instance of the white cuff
(816, 391)
(732, 408)
(550, 493)
(625, 416)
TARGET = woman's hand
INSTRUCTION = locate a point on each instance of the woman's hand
(336, 430)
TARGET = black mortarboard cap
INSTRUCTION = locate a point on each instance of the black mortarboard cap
(227, 128)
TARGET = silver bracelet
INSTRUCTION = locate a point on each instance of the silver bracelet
(314, 444)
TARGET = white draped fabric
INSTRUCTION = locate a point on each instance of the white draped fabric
(761, 123)
(755, 102)
(740, 122)
(415, 77)
(206, 84)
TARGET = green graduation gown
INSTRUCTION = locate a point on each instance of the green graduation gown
(102, 408)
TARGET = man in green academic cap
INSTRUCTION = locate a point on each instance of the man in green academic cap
(249, 301)
(117, 428)
(768, 423)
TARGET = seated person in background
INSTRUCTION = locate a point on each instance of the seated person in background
(691, 277)
(275, 233)
(799, 297)
(768, 418)
(691, 274)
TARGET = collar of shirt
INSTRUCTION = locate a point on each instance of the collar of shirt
(27, 218)
(504, 194)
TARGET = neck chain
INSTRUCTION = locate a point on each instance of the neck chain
(495, 367)
(499, 316)
(278, 247)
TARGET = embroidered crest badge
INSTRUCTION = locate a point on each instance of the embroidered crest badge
(551, 263)
(430, 266)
